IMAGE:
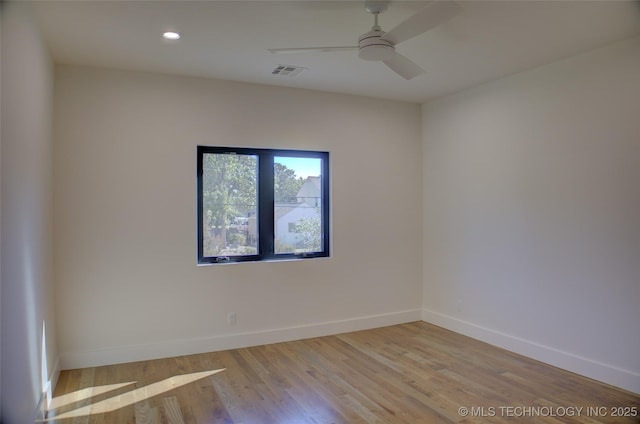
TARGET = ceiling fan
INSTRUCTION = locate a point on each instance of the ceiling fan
(377, 45)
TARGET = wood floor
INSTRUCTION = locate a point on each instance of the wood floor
(410, 373)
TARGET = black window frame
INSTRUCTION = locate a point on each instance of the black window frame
(266, 203)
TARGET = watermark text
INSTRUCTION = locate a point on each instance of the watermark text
(519, 411)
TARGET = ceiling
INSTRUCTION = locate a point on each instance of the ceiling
(229, 40)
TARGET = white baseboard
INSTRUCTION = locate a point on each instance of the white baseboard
(123, 354)
(605, 373)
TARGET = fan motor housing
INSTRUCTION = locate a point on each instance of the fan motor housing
(372, 47)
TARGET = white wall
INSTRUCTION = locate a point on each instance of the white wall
(26, 226)
(125, 216)
(531, 208)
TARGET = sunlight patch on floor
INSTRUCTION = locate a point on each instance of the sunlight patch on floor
(83, 394)
(125, 399)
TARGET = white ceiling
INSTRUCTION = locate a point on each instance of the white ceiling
(229, 40)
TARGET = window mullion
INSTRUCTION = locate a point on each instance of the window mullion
(325, 188)
(266, 205)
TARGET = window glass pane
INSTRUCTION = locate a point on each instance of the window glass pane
(229, 202)
(298, 201)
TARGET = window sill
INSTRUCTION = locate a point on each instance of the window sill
(205, 264)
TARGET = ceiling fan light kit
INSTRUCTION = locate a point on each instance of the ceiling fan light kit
(376, 45)
(372, 47)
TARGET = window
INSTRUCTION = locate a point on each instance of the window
(261, 204)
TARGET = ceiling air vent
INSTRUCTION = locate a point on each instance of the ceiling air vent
(288, 70)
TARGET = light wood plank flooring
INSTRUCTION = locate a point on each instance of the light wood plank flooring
(410, 373)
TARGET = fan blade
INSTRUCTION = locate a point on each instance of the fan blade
(294, 50)
(403, 66)
(434, 14)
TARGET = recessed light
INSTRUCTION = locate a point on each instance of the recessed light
(170, 35)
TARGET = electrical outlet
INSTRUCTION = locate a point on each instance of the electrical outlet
(231, 318)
